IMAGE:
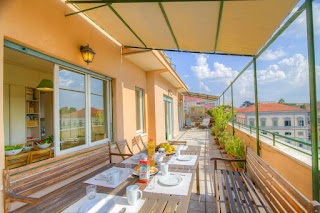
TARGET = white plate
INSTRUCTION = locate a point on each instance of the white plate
(170, 180)
(98, 205)
(184, 158)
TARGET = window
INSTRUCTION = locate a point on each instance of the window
(84, 109)
(251, 122)
(139, 110)
(301, 122)
(287, 133)
(287, 123)
(263, 122)
(98, 109)
(274, 122)
(300, 133)
(72, 108)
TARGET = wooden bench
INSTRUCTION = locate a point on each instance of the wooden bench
(24, 184)
(258, 189)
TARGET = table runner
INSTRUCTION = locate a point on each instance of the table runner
(100, 181)
(181, 189)
(119, 201)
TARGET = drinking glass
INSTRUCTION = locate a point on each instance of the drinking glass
(128, 167)
(91, 191)
(152, 183)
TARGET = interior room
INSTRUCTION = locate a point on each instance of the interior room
(28, 110)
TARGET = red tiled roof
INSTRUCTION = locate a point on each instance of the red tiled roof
(81, 113)
(208, 106)
(188, 98)
(270, 107)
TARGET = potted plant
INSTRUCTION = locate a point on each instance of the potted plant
(43, 144)
(13, 150)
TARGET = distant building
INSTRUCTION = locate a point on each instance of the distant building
(283, 119)
(195, 108)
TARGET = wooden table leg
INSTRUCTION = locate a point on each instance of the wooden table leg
(198, 180)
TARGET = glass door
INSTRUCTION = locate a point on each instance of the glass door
(168, 109)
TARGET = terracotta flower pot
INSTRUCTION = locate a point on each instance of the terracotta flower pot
(236, 168)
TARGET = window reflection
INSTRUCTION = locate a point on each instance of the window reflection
(98, 109)
(72, 105)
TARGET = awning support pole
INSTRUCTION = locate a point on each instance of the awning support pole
(232, 112)
(313, 102)
(256, 103)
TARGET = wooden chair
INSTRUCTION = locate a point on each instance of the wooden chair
(40, 155)
(139, 139)
(135, 142)
(18, 160)
(122, 144)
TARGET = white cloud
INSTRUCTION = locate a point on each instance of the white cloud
(186, 76)
(204, 88)
(271, 74)
(272, 55)
(299, 27)
(219, 72)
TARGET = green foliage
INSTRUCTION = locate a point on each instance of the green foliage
(49, 139)
(9, 148)
(232, 145)
(221, 116)
(281, 101)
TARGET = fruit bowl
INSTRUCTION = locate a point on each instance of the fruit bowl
(13, 152)
(43, 146)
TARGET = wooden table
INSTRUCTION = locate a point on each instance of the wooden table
(63, 197)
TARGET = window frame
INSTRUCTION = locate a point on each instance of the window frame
(287, 120)
(56, 112)
(142, 115)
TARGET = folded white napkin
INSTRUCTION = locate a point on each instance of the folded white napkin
(120, 202)
(100, 180)
(192, 162)
(183, 147)
(181, 189)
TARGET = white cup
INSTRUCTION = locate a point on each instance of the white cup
(164, 167)
(132, 194)
(112, 177)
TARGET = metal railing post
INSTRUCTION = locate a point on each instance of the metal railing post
(256, 103)
(223, 99)
(313, 101)
(274, 139)
(232, 109)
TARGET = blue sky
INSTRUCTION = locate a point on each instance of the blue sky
(282, 69)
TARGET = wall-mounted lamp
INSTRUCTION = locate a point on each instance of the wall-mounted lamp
(170, 91)
(45, 85)
(87, 53)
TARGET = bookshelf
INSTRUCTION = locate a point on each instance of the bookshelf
(32, 115)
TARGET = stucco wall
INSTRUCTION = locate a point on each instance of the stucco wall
(294, 171)
(42, 26)
(161, 89)
(1, 119)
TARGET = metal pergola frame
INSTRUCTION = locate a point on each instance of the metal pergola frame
(108, 3)
(306, 6)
